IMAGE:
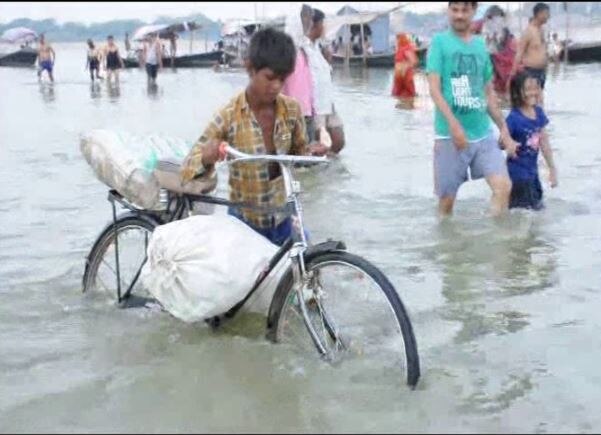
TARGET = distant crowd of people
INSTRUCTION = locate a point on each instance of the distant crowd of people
(109, 58)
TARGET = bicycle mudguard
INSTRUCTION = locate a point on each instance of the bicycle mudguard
(323, 248)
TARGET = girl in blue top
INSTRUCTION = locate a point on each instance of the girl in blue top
(526, 123)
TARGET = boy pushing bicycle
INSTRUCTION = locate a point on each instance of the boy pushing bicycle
(257, 121)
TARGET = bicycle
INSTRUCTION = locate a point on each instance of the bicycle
(305, 299)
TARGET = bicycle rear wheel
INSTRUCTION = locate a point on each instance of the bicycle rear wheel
(356, 313)
(131, 234)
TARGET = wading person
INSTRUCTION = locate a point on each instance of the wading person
(259, 120)
(113, 60)
(152, 56)
(93, 60)
(460, 78)
(526, 123)
(46, 58)
(323, 89)
(532, 48)
(405, 61)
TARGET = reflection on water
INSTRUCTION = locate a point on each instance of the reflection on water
(504, 311)
(113, 90)
(153, 91)
(47, 92)
(95, 90)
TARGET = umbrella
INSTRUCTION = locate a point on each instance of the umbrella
(17, 34)
(164, 30)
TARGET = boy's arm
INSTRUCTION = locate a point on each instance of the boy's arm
(548, 155)
(497, 116)
(200, 161)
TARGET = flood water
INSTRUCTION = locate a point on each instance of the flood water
(505, 312)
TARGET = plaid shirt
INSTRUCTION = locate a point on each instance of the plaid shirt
(249, 182)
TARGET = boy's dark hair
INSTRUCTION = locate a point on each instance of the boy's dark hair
(474, 4)
(110, 37)
(318, 16)
(270, 48)
(538, 8)
(515, 88)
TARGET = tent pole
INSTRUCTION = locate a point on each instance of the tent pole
(363, 45)
(565, 50)
(347, 58)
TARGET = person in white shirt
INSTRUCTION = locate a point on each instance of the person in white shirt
(323, 89)
(153, 57)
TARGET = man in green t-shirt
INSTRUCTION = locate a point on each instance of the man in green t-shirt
(460, 78)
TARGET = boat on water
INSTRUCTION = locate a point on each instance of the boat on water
(199, 60)
(383, 60)
(581, 52)
(15, 47)
(237, 33)
(166, 31)
(24, 57)
(364, 38)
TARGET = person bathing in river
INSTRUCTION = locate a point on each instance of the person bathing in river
(532, 48)
(46, 58)
(93, 60)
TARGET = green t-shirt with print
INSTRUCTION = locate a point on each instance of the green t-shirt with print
(465, 69)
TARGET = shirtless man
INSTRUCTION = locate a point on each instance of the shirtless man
(532, 48)
(46, 58)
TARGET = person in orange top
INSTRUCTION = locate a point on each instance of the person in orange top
(405, 61)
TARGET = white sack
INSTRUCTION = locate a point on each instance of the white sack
(125, 162)
(202, 266)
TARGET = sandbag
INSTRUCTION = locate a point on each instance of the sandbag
(126, 162)
(202, 266)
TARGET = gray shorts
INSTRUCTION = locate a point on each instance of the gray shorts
(483, 158)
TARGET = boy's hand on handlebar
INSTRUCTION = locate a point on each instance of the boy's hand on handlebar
(213, 152)
(317, 149)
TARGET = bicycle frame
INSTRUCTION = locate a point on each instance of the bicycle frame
(295, 246)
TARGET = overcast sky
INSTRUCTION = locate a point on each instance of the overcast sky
(88, 12)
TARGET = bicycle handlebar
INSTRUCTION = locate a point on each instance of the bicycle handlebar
(239, 156)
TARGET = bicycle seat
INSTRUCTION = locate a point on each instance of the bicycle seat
(168, 176)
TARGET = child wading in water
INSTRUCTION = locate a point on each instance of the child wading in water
(526, 123)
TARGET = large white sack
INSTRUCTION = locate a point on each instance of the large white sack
(202, 266)
(125, 161)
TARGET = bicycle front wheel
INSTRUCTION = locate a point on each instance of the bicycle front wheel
(126, 241)
(355, 313)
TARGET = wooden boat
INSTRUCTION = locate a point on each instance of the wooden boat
(583, 52)
(374, 60)
(200, 60)
(25, 57)
(385, 60)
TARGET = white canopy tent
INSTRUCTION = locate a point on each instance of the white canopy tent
(18, 34)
